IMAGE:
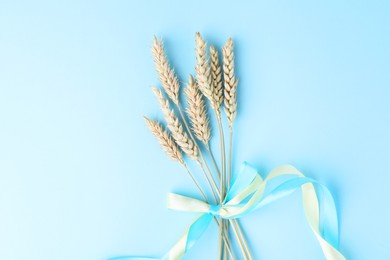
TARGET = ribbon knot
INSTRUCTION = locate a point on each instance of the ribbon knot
(215, 210)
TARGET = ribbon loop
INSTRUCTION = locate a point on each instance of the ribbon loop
(184, 203)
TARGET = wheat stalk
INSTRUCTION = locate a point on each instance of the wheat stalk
(197, 112)
(230, 82)
(204, 79)
(165, 139)
(209, 79)
(167, 74)
(230, 103)
(175, 126)
(216, 78)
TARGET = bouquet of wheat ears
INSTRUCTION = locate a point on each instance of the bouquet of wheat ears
(188, 132)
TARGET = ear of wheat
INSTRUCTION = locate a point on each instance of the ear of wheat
(167, 75)
(202, 68)
(197, 112)
(165, 139)
(230, 82)
(216, 78)
(175, 126)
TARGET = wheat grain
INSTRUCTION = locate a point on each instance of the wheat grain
(166, 74)
(197, 112)
(230, 82)
(165, 140)
(176, 127)
(216, 78)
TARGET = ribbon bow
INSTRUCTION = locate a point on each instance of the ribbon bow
(249, 192)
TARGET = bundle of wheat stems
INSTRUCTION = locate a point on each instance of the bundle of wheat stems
(189, 133)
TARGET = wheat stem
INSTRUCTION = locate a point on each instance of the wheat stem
(238, 231)
(223, 159)
(241, 245)
(208, 148)
(206, 200)
(194, 180)
(208, 180)
(220, 243)
(223, 175)
(225, 242)
(242, 237)
(229, 175)
(226, 226)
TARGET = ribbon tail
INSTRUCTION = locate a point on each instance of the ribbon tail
(324, 223)
(322, 220)
(190, 237)
(184, 244)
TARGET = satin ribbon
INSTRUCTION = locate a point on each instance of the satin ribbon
(249, 192)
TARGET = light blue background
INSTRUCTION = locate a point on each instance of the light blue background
(82, 178)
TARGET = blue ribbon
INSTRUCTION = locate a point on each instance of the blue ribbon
(249, 192)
